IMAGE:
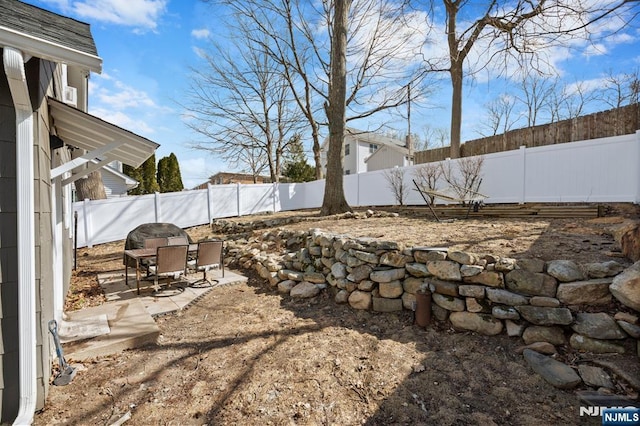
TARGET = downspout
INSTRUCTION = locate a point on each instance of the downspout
(14, 68)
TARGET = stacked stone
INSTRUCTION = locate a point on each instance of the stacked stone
(541, 302)
(235, 227)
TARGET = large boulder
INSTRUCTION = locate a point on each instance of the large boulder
(554, 372)
(135, 238)
(626, 287)
(630, 242)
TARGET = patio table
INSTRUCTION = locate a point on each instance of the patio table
(137, 255)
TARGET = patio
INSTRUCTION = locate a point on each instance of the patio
(126, 320)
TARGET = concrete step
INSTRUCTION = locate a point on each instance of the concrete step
(130, 326)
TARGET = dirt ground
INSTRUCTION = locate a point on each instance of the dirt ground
(244, 354)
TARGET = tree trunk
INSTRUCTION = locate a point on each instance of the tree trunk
(90, 187)
(334, 201)
(456, 107)
(316, 151)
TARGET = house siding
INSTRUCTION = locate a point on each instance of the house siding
(113, 185)
(9, 379)
(44, 79)
(387, 158)
(362, 154)
(40, 78)
(47, 78)
(359, 143)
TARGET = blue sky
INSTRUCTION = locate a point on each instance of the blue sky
(147, 47)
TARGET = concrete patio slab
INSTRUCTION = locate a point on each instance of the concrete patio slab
(129, 317)
(115, 289)
(130, 326)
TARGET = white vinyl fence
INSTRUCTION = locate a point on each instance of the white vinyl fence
(599, 170)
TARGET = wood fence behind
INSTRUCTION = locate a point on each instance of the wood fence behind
(614, 122)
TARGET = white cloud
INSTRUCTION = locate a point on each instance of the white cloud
(200, 53)
(202, 33)
(125, 106)
(121, 119)
(595, 50)
(621, 38)
(585, 86)
(140, 14)
(114, 94)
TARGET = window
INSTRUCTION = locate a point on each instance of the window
(372, 148)
(347, 172)
(346, 149)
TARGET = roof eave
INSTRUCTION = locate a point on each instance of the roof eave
(48, 50)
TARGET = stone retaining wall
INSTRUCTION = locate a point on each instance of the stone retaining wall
(545, 303)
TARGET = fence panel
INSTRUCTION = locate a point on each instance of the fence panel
(184, 209)
(313, 194)
(103, 221)
(375, 189)
(502, 177)
(299, 196)
(257, 198)
(223, 200)
(601, 170)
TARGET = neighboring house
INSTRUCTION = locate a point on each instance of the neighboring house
(47, 141)
(116, 183)
(389, 156)
(223, 178)
(359, 145)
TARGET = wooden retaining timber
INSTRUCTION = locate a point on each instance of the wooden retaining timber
(519, 210)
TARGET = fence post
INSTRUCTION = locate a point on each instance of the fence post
(523, 160)
(638, 166)
(209, 200)
(156, 201)
(273, 195)
(358, 190)
(88, 229)
(238, 197)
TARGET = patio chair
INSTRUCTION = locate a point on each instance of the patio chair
(171, 263)
(179, 240)
(153, 242)
(209, 256)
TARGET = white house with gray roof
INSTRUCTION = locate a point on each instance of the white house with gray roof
(368, 151)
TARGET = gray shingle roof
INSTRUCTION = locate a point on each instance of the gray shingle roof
(40, 23)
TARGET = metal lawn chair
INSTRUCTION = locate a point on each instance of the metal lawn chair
(171, 263)
(209, 256)
(153, 242)
(179, 240)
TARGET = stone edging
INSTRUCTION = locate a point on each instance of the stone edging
(540, 302)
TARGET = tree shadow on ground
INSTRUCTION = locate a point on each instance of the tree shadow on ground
(457, 378)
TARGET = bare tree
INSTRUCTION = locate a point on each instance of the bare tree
(569, 101)
(395, 179)
(334, 200)
(621, 89)
(242, 104)
(500, 113)
(577, 98)
(535, 91)
(519, 30)
(466, 180)
(432, 137)
(426, 176)
(380, 48)
(556, 103)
